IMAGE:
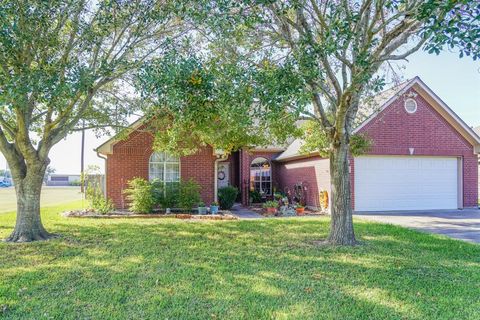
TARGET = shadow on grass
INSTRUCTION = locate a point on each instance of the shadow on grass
(237, 269)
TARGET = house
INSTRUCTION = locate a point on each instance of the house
(423, 156)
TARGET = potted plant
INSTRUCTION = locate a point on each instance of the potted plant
(214, 207)
(300, 209)
(271, 207)
(277, 196)
(202, 209)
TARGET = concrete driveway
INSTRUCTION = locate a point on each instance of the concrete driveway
(458, 224)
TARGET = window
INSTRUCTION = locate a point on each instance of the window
(164, 167)
(410, 105)
(261, 176)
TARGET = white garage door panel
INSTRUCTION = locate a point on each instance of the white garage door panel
(405, 183)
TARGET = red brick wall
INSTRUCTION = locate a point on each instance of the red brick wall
(312, 172)
(130, 159)
(394, 131)
(246, 158)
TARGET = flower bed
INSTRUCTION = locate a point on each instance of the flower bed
(226, 215)
(260, 210)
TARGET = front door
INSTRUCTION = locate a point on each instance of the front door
(223, 175)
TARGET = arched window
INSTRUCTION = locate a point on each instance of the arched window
(261, 176)
(164, 167)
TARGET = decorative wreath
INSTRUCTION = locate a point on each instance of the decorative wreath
(221, 175)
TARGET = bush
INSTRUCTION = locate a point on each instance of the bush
(188, 194)
(255, 196)
(93, 192)
(227, 197)
(166, 195)
(104, 206)
(140, 195)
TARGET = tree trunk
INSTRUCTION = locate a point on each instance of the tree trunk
(28, 226)
(341, 230)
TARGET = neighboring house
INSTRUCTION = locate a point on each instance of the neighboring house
(423, 156)
(63, 179)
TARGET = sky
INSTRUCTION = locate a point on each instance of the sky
(456, 81)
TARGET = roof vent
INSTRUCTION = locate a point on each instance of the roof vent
(410, 105)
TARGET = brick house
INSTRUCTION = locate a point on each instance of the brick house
(423, 156)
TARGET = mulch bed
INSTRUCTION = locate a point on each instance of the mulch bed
(128, 215)
(259, 209)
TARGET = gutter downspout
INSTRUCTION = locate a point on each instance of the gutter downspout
(215, 176)
(105, 184)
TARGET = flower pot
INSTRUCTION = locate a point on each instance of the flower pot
(202, 210)
(214, 209)
(300, 211)
(271, 211)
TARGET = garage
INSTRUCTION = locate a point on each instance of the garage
(385, 183)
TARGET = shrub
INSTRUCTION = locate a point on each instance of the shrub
(166, 195)
(188, 194)
(140, 195)
(255, 196)
(94, 193)
(103, 205)
(227, 197)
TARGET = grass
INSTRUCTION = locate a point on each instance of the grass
(263, 269)
(50, 196)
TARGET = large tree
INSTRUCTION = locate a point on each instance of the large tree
(333, 53)
(66, 62)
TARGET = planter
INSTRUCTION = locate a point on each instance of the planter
(202, 210)
(214, 209)
(300, 211)
(271, 211)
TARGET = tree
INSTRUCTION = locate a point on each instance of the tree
(193, 101)
(333, 53)
(65, 62)
(48, 172)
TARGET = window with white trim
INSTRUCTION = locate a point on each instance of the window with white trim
(164, 167)
(261, 176)
(411, 105)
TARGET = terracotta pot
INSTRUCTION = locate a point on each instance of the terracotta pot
(300, 211)
(271, 211)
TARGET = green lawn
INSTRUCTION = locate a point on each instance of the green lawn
(50, 196)
(263, 269)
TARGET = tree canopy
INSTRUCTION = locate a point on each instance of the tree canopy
(66, 66)
(314, 60)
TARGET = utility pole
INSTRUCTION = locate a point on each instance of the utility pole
(82, 158)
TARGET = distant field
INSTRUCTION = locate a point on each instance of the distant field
(50, 196)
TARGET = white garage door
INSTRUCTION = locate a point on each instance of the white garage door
(405, 183)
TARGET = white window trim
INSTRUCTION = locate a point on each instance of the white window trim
(261, 180)
(405, 105)
(164, 168)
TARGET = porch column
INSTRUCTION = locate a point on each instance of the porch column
(244, 175)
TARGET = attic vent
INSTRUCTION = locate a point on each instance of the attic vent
(410, 105)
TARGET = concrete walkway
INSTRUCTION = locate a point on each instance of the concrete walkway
(244, 213)
(457, 224)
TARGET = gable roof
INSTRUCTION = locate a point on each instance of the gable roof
(293, 151)
(107, 147)
(477, 130)
(385, 98)
(376, 105)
